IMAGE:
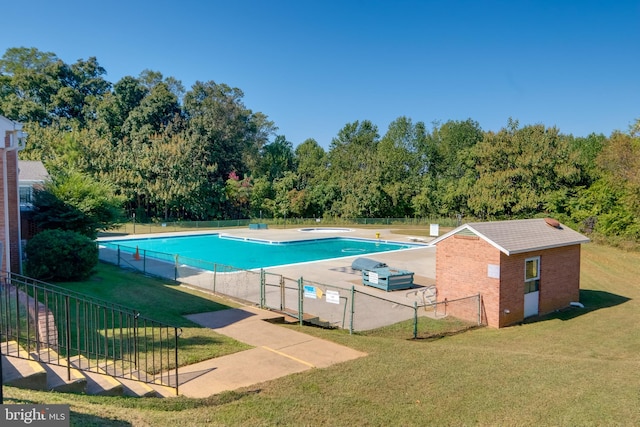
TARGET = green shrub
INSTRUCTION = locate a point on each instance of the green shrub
(60, 255)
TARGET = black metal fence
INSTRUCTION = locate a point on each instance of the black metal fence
(72, 330)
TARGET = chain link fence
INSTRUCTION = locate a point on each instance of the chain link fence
(413, 313)
(177, 226)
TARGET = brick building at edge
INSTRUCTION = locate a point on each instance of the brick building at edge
(520, 268)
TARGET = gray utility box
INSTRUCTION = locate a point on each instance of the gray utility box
(387, 279)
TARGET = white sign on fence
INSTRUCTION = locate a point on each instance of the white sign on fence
(310, 291)
(333, 297)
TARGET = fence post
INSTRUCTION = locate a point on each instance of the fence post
(118, 255)
(175, 331)
(353, 294)
(300, 301)
(415, 320)
(479, 310)
(68, 333)
(144, 261)
(136, 349)
(175, 269)
(262, 288)
(215, 271)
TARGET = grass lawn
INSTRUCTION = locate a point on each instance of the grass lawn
(164, 302)
(573, 368)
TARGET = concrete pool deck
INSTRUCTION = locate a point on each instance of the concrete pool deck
(336, 272)
(281, 351)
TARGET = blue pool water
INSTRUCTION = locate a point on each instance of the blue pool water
(249, 254)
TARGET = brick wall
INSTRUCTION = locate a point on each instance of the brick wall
(11, 199)
(559, 280)
(14, 209)
(512, 288)
(3, 230)
(462, 270)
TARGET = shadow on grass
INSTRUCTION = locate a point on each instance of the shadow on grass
(440, 335)
(220, 318)
(75, 418)
(79, 419)
(591, 299)
(197, 341)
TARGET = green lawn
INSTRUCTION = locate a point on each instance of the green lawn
(574, 368)
(164, 302)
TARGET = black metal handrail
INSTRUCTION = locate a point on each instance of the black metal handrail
(69, 329)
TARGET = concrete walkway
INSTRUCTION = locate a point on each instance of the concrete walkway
(278, 352)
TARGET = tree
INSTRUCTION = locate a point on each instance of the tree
(175, 177)
(276, 159)
(154, 113)
(355, 171)
(226, 130)
(238, 193)
(75, 202)
(401, 166)
(115, 107)
(520, 170)
(41, 88)
(27, 86)
(450, 168)
(313, 178)
(262, 198)
(613, 201)
(587, 150)
(312, 163)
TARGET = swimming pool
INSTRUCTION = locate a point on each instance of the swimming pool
(251, 253)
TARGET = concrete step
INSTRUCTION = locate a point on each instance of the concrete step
(59, 378)
(162, 390)
(163, 383)
(136, 388)
(99, 382)
(23, 371)
(131, 380)
(291, 317)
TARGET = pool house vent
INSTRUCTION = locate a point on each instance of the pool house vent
(553, 223)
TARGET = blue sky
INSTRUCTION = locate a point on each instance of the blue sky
(314, 66)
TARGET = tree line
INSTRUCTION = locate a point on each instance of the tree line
(150, 147)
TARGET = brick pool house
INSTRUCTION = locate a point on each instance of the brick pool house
(12, 141)
(520, 268)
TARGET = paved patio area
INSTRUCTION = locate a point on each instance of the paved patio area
(277, 352)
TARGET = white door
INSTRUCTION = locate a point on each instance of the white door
(531, 286)
(531, 303)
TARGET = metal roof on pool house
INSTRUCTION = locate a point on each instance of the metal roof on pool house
(522, 235)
